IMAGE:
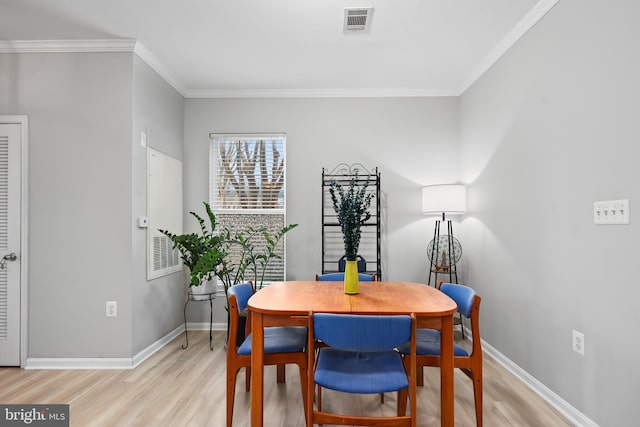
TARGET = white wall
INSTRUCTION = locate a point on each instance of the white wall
(79, 108)
(158, 110)
(413, 142)
(550, 129)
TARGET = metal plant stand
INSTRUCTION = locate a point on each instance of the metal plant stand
(199, 297)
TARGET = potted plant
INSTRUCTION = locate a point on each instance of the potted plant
(250, 260)
(352, 209)
(202, 253)
(232, 257)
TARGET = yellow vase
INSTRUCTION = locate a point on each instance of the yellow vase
(351, 277)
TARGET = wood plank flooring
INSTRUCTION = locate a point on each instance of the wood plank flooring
(178, 387)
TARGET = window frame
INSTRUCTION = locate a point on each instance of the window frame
(214, 139)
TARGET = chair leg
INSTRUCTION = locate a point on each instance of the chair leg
(232, 373)
(281, 374)
(319, 399)
(420, 376)
(247, 379)
(303, 384)
(477, 395)
(402, 402)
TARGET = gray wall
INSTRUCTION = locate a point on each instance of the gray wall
(79, 108)
(158, 110)
(413, 142)
(550, 129)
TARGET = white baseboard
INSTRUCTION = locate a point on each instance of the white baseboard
(561, 405)
(117, 362)
(154, 347)
(204, 326)
(78, 363)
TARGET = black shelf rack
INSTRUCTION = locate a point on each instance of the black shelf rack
(370, 240)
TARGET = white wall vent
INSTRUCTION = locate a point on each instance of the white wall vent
(164, 211)
(357, 19)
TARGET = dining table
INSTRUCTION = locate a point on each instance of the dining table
(289, 303)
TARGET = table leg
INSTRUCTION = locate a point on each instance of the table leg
(257, 368)
(446, 372)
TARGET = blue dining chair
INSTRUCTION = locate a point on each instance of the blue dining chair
(339, 277)
(360, 357)
(282, 345)
(428, 344)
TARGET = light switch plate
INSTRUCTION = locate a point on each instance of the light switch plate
(611, 212)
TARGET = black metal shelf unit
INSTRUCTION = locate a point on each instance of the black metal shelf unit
(332, 243)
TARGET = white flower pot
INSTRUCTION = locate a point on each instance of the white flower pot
(202, 292)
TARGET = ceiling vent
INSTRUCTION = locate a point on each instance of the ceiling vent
(357, 19)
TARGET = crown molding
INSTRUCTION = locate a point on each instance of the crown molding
(94, 45)
(153, 62)
(132, 45)
(40, 46)
(316, 93)
(520, 29)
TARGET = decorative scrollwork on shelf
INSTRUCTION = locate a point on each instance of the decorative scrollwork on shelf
(347, 169)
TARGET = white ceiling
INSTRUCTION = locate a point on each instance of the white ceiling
(217, 48)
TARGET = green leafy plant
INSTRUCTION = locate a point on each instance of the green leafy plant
(250, 262)
(203, 253)
(231, 256)
(352, 209)
(257, 262)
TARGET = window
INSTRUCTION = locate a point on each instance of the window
(247, 187)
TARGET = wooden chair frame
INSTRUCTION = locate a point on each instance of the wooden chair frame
(236, 361)
(471, 365)
(400, 420)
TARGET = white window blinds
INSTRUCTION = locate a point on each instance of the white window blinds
(247, 172)
(247, 189)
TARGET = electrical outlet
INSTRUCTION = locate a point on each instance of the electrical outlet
(578, 342)
(112, 309)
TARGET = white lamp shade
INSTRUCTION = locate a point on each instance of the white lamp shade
(449, 199)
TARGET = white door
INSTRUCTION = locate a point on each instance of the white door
(10, 163)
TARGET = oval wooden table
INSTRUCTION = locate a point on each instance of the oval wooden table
(287, 303)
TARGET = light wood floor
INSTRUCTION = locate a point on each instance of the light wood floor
(178, 387)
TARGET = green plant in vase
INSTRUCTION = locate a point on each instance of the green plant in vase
(352, 210)
(248, 260)
(202, 253)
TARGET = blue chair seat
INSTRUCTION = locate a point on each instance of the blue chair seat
(428, 342)
(360, 372)
(339, 277)
(280, 339)
(360, 357)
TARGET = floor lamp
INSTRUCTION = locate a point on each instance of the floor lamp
(446, 199)
(442, 200)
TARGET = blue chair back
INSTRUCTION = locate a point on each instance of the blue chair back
(361, 332)
(243, 292)
(462, 295)
(339, 277)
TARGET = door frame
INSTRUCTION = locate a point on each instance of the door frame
(23, 121)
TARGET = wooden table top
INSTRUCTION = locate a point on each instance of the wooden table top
(300, 297)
